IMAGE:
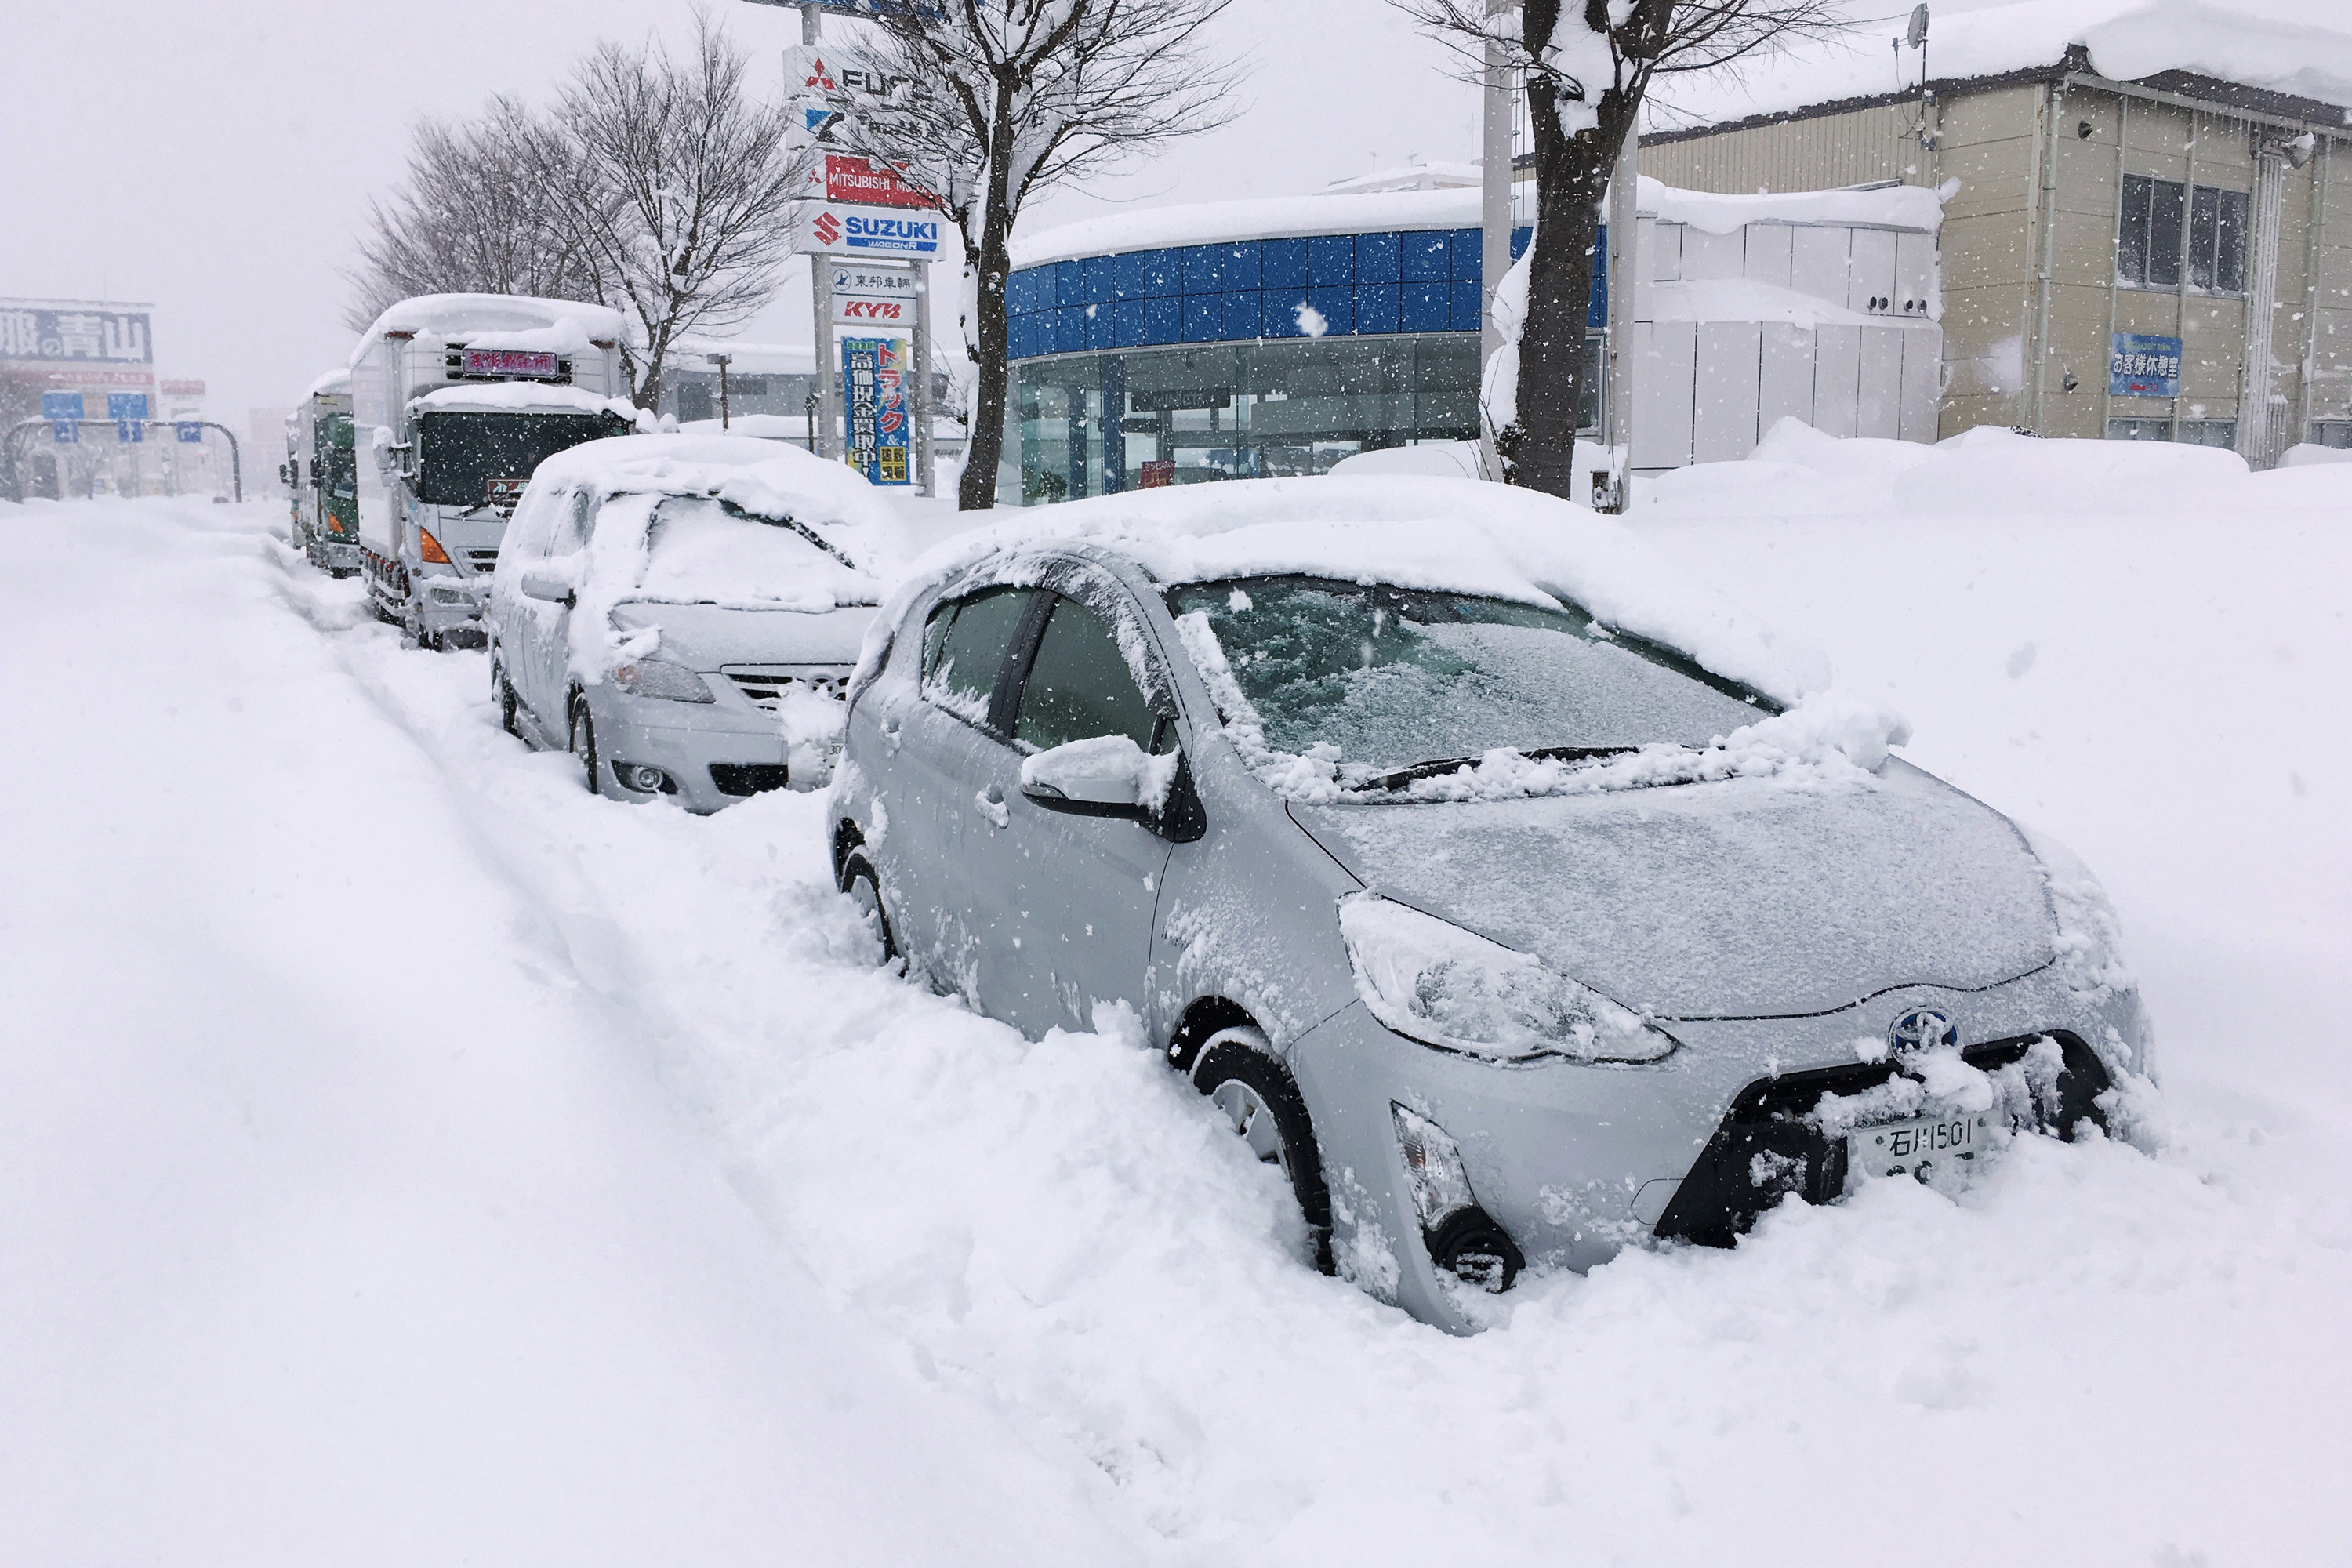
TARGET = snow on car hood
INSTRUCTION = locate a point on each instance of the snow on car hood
(707, 638)
(1738, 899)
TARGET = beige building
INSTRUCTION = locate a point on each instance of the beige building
(2117, 253)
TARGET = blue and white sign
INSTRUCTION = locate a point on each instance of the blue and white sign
(61, 406)
(121, 406)
(100, 334)
(2144, 366)
(65, 431)
(130, 431)
(834, 228)
(191, 430)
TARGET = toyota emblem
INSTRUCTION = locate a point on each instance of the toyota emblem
(1922, 1029)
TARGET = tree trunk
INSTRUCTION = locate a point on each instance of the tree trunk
(986, 446)
(1572, 173)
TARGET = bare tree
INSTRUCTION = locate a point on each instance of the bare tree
(1003, 98)
(470, 217)
(675, 186)
(1587, 67)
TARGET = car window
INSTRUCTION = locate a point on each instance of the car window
(963, 653)
(1080, 686)
(574, 526)
(527, 534)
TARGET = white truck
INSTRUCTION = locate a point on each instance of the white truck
(455, 398)
(318, 475)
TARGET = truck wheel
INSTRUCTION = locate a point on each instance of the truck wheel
(1238, 1073)
(584, 744)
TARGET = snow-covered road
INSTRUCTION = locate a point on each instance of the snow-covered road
(407, 1157)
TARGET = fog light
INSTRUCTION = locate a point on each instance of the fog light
(1461, 1237)
(450, 596)
(645, 778)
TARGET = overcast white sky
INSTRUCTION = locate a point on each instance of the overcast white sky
(216, 159)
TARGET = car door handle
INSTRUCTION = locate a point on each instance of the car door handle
(990, 804)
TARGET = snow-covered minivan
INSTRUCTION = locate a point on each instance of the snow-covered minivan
(682, 613)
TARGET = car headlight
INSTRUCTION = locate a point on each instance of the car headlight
(659, 678)
(1438, 983)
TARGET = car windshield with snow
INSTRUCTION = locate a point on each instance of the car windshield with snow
(1346, 794)
(682, 614)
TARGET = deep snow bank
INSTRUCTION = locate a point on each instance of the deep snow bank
(291, 1275)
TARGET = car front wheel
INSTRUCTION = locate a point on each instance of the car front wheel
(1238, 1073)
(864, 891)
(584, 745)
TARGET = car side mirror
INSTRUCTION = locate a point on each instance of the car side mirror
(547, 586)
(1110, 775)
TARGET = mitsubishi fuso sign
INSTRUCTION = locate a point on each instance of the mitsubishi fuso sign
(835, 228)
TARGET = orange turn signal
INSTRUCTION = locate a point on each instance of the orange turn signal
(431, 548)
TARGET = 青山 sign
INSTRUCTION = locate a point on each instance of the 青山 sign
(506, 361)
(873, 373)
(2144, 366)
(873, 297)
(67, 334)
(831, 228)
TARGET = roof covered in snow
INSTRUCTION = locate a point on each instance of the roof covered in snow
(2126, 41)
(1889, 207)
(520, 398)
(330, 384)
(1454, 535)
(500, 321)
(743, 359)
(766, 478)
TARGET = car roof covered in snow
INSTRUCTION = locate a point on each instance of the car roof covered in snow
(763, 477)
(2125, 40)
(500, 321)
(1452, 535)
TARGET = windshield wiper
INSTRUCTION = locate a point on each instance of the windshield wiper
(1452, 765)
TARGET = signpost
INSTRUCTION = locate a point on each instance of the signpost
(61, 406)
(873, 373)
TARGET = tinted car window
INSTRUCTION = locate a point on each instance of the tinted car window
(1079, 687)
(963, 648)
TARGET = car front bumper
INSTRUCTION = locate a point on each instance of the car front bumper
(1577, 1160)
(715, 753)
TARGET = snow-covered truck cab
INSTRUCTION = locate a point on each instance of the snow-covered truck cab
(320, 474)
(455, 399)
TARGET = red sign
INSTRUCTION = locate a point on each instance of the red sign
(828, 227)
(864, 182)
(183, 389)
(1156, 473)
(857, 311)
(508, 362)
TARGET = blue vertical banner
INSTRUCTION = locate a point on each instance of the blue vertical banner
(874, 377)
(2144, 366)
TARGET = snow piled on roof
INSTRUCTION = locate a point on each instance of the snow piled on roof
(1891, 207)
(1454, 535)
(500, 321)
(2128, 41)
(1266, 217)
(330, 384)
(761, 477)
(743, 359)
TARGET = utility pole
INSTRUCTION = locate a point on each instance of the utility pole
(922, 399)
(1609, 490)
(821, 424)
(1494, 187)
(722, 362)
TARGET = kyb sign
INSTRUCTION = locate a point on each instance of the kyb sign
(831, 228)
(877, 299)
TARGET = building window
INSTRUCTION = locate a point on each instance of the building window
(2140, 429)
(2209, 432)
(2164, 221)
(2336, 433)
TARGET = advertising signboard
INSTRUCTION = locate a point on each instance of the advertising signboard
(873, 373)
(98, 334)
(830, 229)
(873, 297)
(2144, 366)
(508, 362)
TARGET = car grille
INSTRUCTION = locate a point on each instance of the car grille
(1723, 1196)
(765, 684)
(749, 778)
(483, 561)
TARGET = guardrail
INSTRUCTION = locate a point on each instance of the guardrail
(11, 457)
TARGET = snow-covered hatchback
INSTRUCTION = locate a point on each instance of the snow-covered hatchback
(1522, 900)
(683, 613)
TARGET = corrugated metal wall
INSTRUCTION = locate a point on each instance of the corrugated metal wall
(1815, 154)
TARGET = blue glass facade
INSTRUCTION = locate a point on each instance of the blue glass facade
(1248, 359)
(1358, 285)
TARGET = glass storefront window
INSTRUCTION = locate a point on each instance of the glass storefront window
(1101, 424)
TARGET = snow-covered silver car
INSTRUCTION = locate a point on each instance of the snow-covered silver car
(1522, 900)
(683, 613)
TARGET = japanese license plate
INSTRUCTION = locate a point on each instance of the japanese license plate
(1939, 1152)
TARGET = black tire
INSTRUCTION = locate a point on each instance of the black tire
(584, 744)
(1238, 1057)
(502, 692)
(865, 889)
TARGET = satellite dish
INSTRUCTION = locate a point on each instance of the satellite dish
(1917, 35)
